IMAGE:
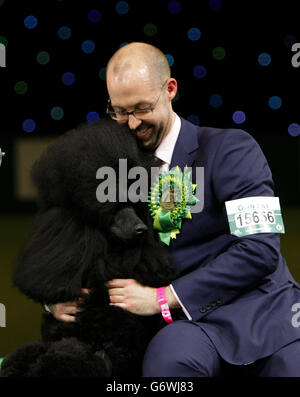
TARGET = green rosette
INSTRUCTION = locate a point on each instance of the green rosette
(170, 199)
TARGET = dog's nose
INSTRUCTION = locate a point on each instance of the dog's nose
(140, 228)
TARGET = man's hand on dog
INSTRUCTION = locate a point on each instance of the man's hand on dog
(66, 311)
(127, 294)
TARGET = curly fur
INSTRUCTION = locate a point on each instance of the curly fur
(78, 242)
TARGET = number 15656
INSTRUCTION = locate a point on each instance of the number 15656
(253, 218)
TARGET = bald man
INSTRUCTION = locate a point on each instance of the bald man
(236, 301)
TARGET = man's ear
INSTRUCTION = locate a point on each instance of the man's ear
(172, 88)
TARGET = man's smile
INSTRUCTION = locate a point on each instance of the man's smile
(143, 133)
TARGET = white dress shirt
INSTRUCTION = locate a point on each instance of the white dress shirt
(164, 152)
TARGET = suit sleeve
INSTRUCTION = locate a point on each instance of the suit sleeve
(239, 170)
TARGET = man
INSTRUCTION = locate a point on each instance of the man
(235, 294)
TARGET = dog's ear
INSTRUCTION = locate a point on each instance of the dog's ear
(52, 264)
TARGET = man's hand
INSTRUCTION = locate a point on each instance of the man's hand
(136, 298)
(66, 311)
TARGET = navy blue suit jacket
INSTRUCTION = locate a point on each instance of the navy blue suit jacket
(238, 289)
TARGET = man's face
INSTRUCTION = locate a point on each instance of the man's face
(139, 93)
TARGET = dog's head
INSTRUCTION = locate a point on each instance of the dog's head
(93, 171)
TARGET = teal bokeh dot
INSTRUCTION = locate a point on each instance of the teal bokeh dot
(57, 113)
(176, 97)
(3, 40)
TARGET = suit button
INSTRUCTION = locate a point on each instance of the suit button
(208, 307)
(202, 309)
(213, 304)
(219, 301)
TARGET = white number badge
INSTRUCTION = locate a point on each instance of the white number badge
(252, 215)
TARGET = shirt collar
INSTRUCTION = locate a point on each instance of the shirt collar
(165, 149)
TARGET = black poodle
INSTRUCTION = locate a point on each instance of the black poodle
(80, 242)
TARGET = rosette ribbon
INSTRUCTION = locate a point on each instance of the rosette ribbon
(170, 199)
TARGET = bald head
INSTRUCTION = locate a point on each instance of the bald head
(139, 60)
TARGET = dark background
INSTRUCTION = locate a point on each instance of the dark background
(245, 29)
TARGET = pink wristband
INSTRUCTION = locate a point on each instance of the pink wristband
(164, 307)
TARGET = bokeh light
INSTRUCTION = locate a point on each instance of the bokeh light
(43, 57)
(219, 53)
(150, 29)
(64, 32)
(194, 34)
(122, 7)
(294, 129)
(30, 22)
(176, 98)
(94, 16)
(216, 100)
(92, 117)
(264, 59)
(88, 46)
(3, 40)
(68, 78)
(194, 119)
(215, 4)
(275, 102)
(170, 59)
(199, 71)
(174, 7)
(21, 87)
(102, 73)
(29, 125)
(239, 117)
(57, 113)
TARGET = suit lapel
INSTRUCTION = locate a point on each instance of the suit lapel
(186, 146)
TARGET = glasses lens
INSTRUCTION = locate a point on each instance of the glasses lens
(142, 113)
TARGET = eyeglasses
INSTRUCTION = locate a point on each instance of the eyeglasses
(139, 114)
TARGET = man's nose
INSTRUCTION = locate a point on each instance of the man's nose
(133, 122)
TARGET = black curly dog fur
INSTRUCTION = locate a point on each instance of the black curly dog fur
(78, 242)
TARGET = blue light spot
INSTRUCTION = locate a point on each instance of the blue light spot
(194, 119)
(275, 102)
(95, 16)
(199, 71)
(28, 125)
(122, 7)
(64, 32)
(264, 59)
(92, 117)
(239, 117)
(194, 34)
(30, 22)
(216, 100)
(294, 129)
(215, 4)
(170, 59)
(88, 46)
(68, 78)
(123, 44)
(57, 113)
(174, 7)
